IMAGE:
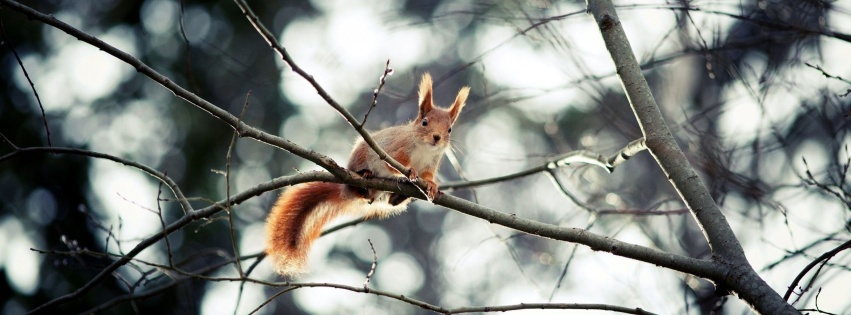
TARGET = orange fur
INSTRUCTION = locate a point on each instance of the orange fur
(297, 218)
(401, 157)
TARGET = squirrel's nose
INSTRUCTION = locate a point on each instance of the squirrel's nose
(436, 137)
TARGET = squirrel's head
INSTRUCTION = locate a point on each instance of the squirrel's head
(433, 123)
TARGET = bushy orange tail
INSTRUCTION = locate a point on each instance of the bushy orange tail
(297, 219)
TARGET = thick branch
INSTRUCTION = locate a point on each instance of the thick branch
(698, 267)
(727, 250)
(658, 137)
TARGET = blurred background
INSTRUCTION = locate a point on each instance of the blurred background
(754, 91)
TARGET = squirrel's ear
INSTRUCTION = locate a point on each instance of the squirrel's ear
(425, 95)
(460, 100)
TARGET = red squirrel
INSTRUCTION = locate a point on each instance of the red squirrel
(297, 217)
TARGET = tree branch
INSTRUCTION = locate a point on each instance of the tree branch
(550, 306)
(273, 43)
(178, 224)
(823, 258)
(579, 156)
(461, 310)
(26, 75)
(242, 128)
(726, 249)
(698, 267)
(729, 266)
(383, 79)
(178, 194)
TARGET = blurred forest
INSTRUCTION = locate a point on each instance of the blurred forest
(754, 91)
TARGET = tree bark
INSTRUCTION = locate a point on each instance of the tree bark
(740, 277)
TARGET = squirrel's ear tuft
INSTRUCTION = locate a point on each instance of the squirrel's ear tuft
(460, 101)
(425, 94)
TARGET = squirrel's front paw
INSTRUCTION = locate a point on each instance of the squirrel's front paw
(413, 175)
(431, 189)
(365, 173)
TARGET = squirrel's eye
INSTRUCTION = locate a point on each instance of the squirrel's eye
(450, 129)
(425, 121)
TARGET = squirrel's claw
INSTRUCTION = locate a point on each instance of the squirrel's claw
(431, 190)
(413, 175)
(365, 173)
(431, 186)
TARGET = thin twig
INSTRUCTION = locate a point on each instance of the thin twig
(766, 23)
(579, 156)
(238, 265)
(641, 212)
(27, 75)
(3, 137)
(802, 250)
(136, 204)
(372, 269)
(178, 194)
(519, 34)
(387, 72)
(824, 257)
(343, 226)
(207, 268)
(818, 309)
(188, 63)
(563, 272)
(242, 284)
(456, 165)
(591, 220)
(162, 223)
(703, 47)
(561, 187)
(131, 288)
(830, 76)
(270, 299)
(825, 74)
